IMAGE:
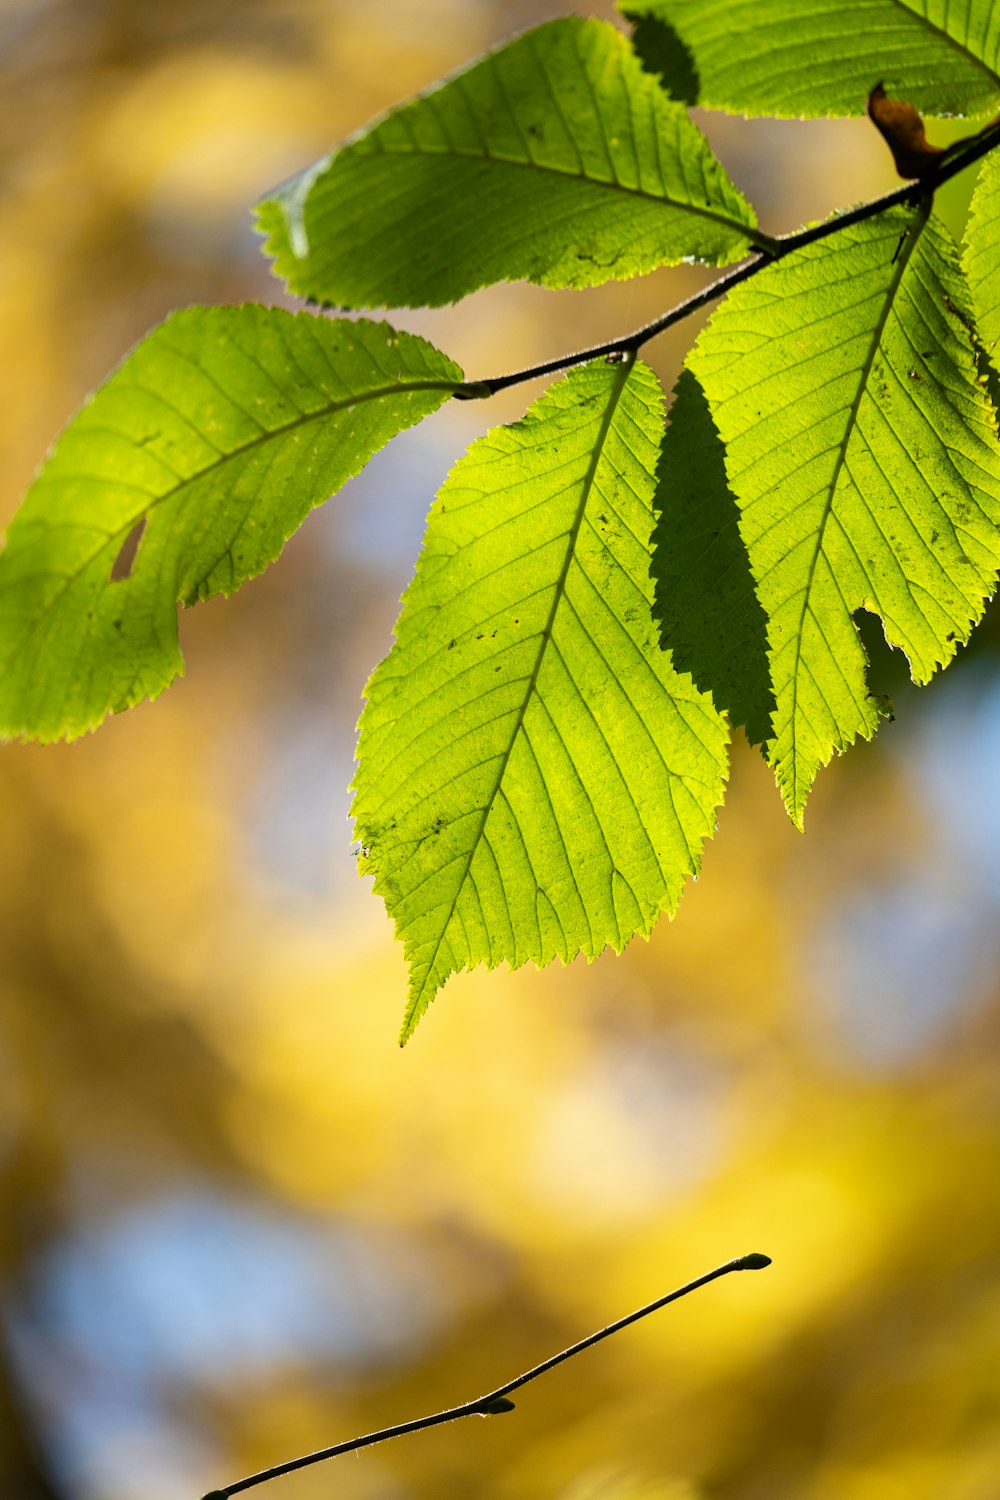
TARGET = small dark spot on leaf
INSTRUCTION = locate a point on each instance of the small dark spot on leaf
(450, 644)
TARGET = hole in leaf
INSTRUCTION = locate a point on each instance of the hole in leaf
(888, 672)
(124, 562)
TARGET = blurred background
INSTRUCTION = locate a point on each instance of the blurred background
(237, 1223)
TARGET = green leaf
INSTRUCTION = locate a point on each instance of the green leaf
(555, 159)
(219, 433)
(863, 454)
(705, 601)
(535, 781)
(811, 57)
(982, 253)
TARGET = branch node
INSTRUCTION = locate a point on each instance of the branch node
(494, 1402)
(495, 1406)
(940, 167)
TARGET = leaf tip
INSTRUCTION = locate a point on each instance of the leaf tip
(416, 1004)
(794, 796)
(408, 1027)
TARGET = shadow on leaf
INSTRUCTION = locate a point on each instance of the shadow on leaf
(704, 601)
(664, 54)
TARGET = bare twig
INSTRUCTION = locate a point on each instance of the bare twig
(495, 1401)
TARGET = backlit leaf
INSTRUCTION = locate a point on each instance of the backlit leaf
(555, 159)
(811, 57)
(535, 780)
(863, 454)
(982, 253)
(217, 435)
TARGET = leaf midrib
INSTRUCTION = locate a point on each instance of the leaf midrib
(912, 236)
(747, 231)
(413, 1009)
(219, 464)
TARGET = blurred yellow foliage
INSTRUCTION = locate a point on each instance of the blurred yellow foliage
(239, 1223)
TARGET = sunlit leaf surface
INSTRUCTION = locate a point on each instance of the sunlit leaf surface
(982, 254)
(554, 159)
(863, 454)
(535, 779)
(810, 57)
(205, 450)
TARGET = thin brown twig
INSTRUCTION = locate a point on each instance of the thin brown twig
(495, 1401)
(952, 161)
